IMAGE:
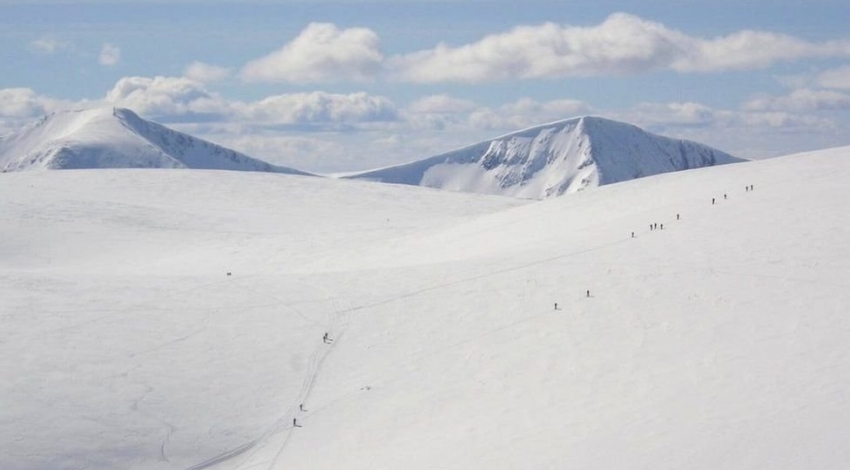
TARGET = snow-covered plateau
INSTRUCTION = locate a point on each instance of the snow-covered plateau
(553, 159)
(158, 319)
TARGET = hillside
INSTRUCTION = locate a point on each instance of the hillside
(553, 159)
(719, 341)
(116, 138)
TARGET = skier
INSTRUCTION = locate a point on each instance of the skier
(301, 407)
(677, 216)
(662, 226)
(650, 227)
(295, 423)
(712, 201)
(325, 338)
(588, 292)
(556, 305)
(724, 195)
(633, 234)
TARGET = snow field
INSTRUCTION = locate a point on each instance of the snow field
(718, 342)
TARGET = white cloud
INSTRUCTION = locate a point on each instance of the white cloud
(22, 103)
(443, 112)
(441, 104)
(800, 100)
(109, 55)
(183, 99)
(320, 53)
(526, 113)
(320, 107)
(19, 106)
(205, 73)
(166, 97)
(49, 46)
(696, 115)
(837, 78)
(622, 44)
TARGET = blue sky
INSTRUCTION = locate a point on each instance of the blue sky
(340, 85)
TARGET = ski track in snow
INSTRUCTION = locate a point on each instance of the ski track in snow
(335, 324)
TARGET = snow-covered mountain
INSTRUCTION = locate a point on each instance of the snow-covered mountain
(116, 138)
(553, 159)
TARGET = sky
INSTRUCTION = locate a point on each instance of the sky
(345, 85)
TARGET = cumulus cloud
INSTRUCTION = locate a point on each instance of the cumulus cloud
(320, 107)
(837, 78)
(622, 44)
(49, 46)
(689, 115)
(320, 53)
(23, 103)
(442, 112)
(441, 104)
(109, 55)
(526, 113)
(166, 97)
(181, 99)
(205, 73)
(801, 100)
(18, 106)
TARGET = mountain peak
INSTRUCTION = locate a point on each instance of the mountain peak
(552, 159)
(108, 137)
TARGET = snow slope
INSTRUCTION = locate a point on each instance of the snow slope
(115, 138)
(720, 341)
(554, 159)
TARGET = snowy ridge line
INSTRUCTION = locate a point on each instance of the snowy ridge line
(550, 160)
(109, 137)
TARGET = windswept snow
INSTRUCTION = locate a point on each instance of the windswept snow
(116, 138)
(553, 159)
(720, 341)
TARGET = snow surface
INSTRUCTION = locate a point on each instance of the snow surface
(721, 341)
(553, 159)
(115, 138)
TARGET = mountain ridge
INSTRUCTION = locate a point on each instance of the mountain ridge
(553, 159)
(116, 138)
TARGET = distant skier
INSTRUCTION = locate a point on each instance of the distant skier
(301, 407)
(633, 234)
(650, 227)
(712, 201)
(588, 292)
(325, 338)
(677, 216)
(295, 423)
(724, 195)
(662, 226)
(556, 305)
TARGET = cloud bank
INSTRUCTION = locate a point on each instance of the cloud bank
(623, 44)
